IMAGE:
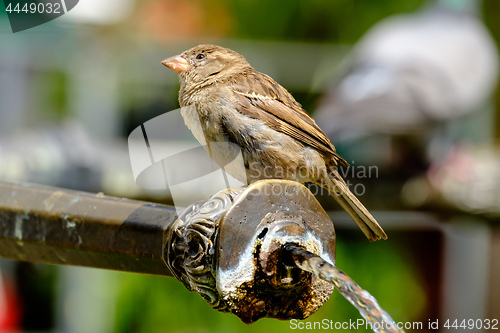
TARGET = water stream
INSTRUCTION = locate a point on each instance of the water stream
(376, 317)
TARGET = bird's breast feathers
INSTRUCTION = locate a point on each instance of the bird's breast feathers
(262, 151)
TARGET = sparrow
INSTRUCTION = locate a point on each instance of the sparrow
(226, 103)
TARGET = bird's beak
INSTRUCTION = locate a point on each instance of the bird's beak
(176, 63)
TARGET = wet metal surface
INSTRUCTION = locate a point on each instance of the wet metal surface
(252, 277)
(48, 225)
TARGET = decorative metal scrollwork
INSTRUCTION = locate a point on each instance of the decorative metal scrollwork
(190, 251)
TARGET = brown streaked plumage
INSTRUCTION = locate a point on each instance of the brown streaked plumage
(237, 106)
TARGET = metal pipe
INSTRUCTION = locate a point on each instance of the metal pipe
(227, 248)
(55, 226)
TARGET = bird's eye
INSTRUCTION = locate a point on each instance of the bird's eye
(200, 56)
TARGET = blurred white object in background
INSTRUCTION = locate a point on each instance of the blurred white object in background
(411, 70)
(467, 180)
(100, 11)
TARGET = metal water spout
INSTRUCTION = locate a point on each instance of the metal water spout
(240, 249)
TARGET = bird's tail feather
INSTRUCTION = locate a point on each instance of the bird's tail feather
(348, 201)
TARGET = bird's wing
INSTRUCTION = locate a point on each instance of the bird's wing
(260, 97)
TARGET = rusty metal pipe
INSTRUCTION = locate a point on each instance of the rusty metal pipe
(55, 226)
